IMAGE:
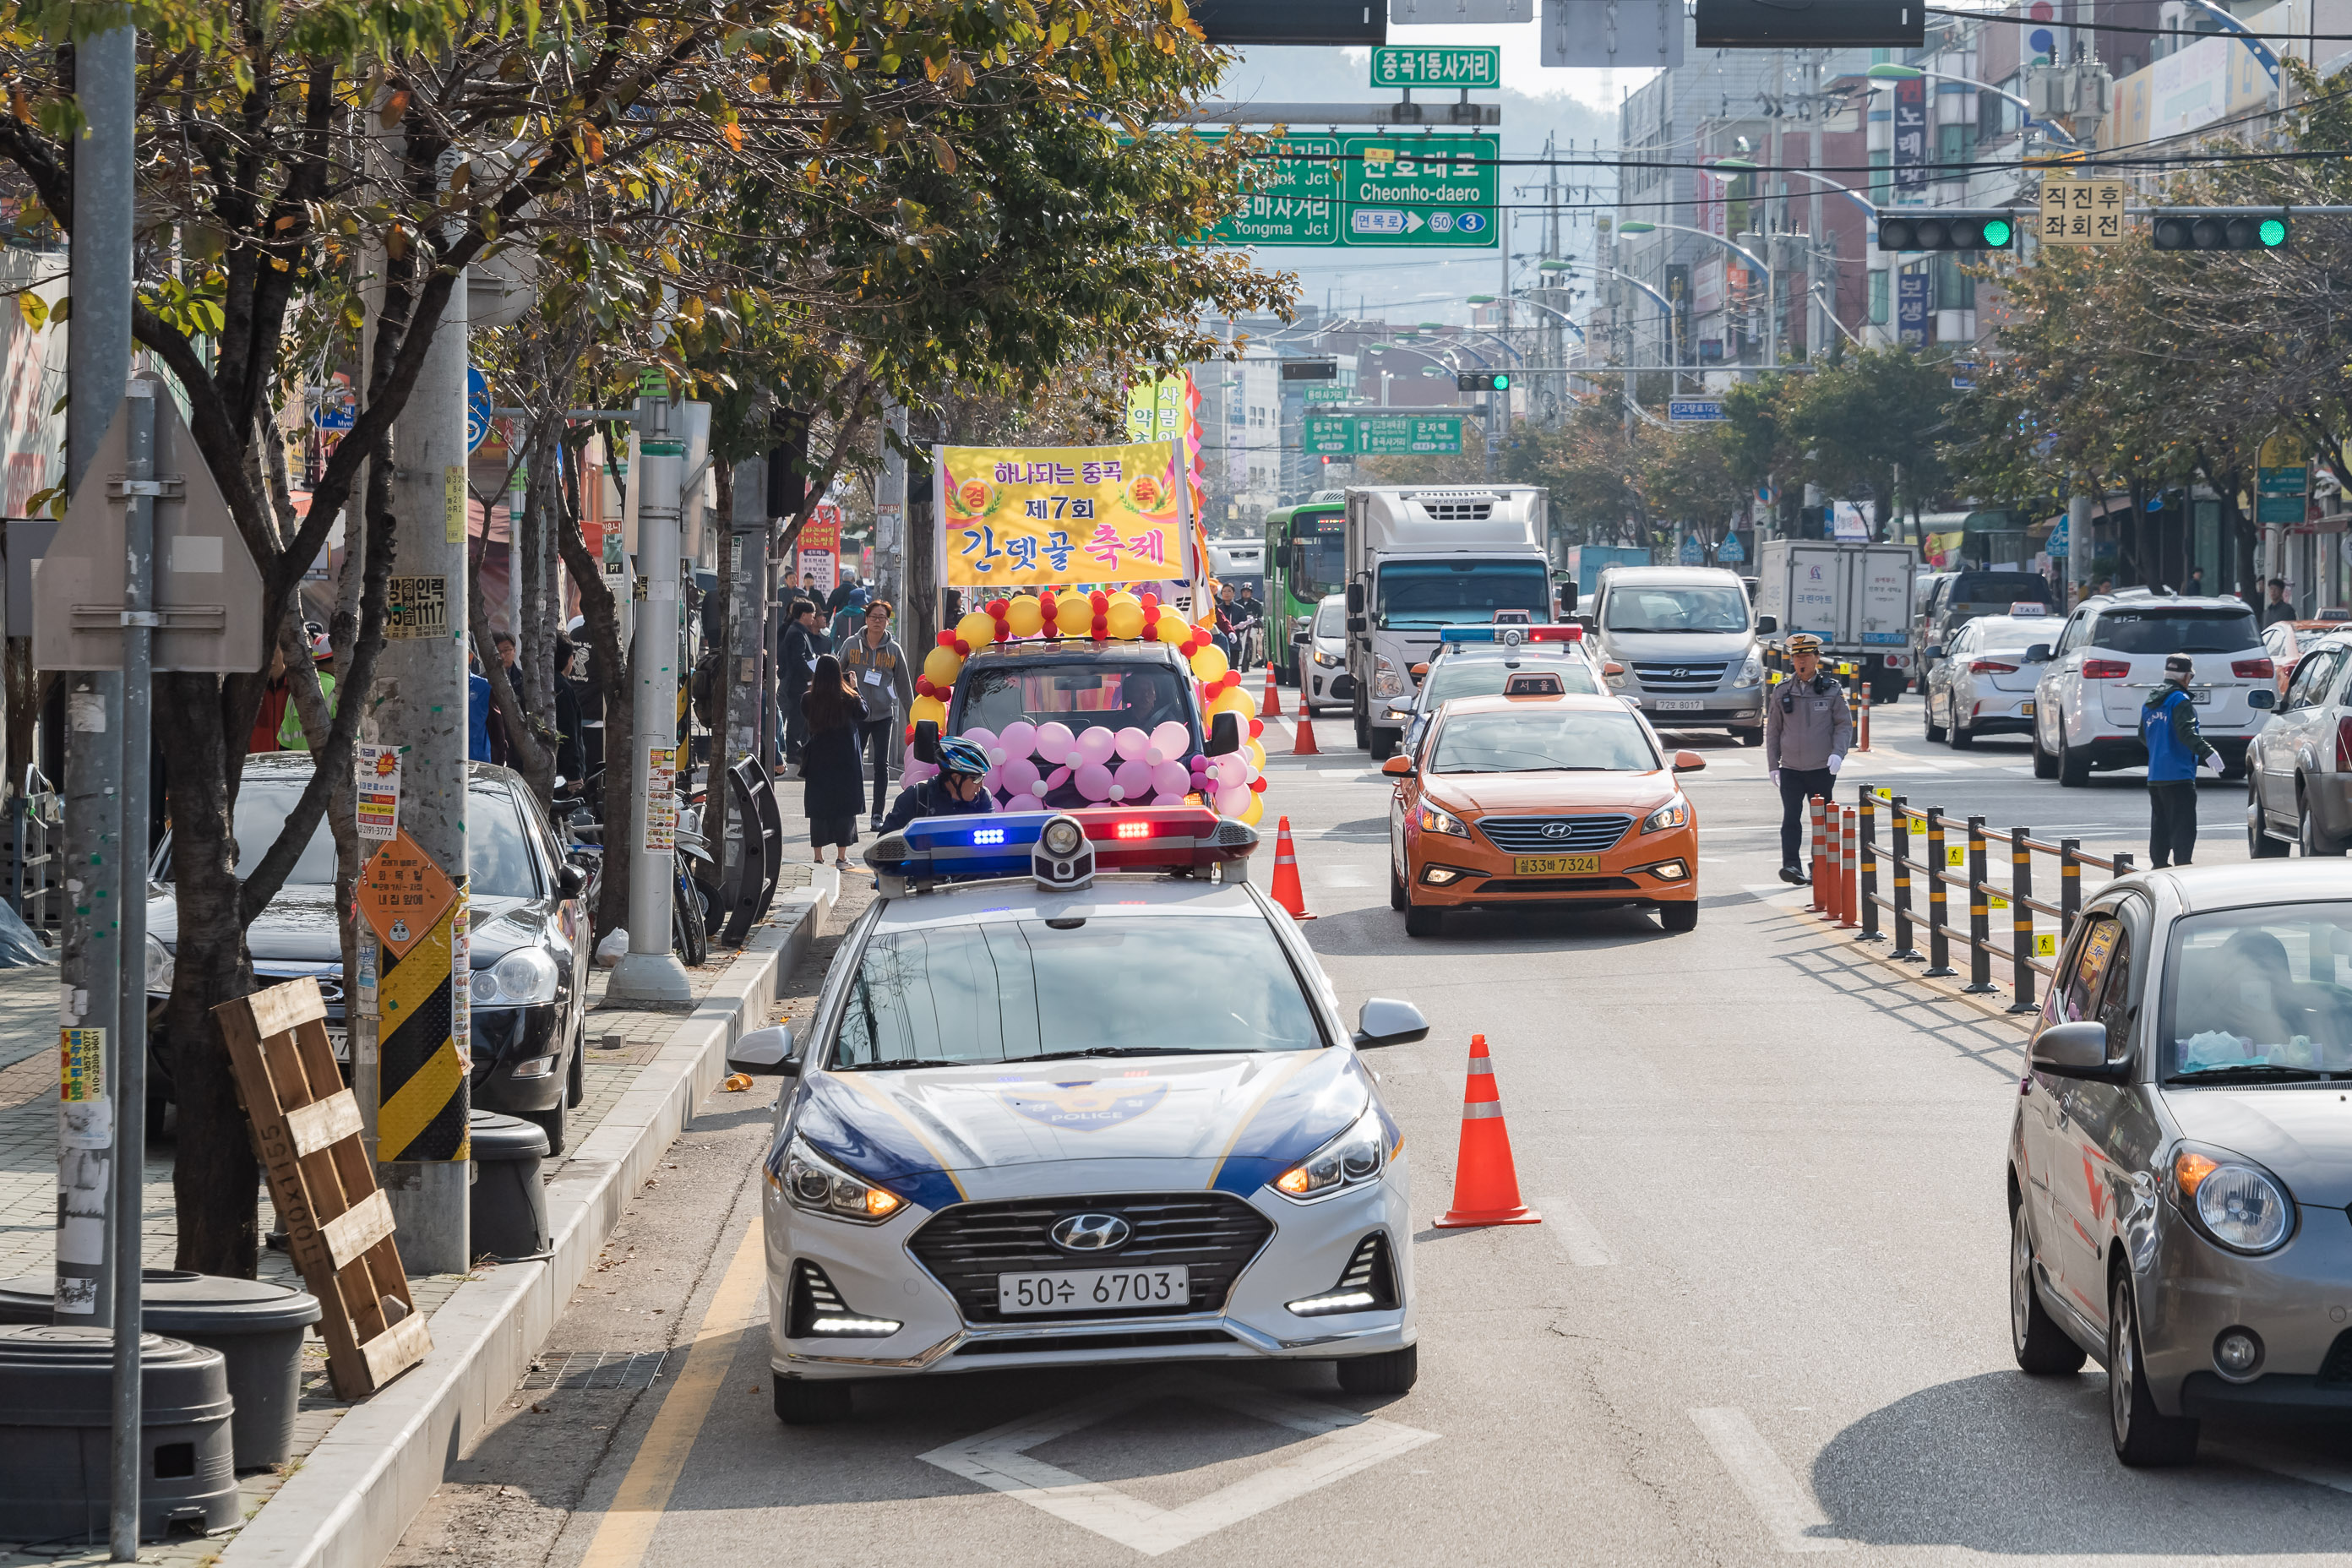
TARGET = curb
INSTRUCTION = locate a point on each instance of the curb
(357, 1492)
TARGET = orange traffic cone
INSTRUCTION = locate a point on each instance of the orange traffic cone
(1302, 742)
(1486, 1182)
(1286, 891)
(1272, 707)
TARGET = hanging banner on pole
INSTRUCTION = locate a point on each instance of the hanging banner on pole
(376, 770)
(1013, 517)
(819, 547)
(661, 797)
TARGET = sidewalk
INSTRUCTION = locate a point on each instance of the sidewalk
(641, 1062)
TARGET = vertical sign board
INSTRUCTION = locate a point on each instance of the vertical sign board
(1911, 308)
(424, 1037)
(819, 547)
(1911, 133)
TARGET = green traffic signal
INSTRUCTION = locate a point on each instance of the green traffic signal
(1997, 233)
(2225, 228)
(1502, 384)
(2273, 233)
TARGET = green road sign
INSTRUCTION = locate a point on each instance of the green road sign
(1391, 434)
(1446, 65)
(1293, 198)
(2281, 481)
(1331, 395)
(1419, 189)
(1327, 437)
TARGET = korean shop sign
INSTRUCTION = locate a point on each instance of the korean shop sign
(1026, 517)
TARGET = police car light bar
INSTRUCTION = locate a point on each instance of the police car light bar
(937, 850)
(1510, 635)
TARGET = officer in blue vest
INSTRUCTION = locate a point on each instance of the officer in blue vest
(2176, 749)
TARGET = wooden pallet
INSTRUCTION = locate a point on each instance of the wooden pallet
(339, 1225)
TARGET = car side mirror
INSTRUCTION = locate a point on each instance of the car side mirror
(1613, 668)
(570, 878)
(1301, 639)
(1355, 599)
(1418, 670)
(764, 1053)
(2075, 1050)
(1398, 767)
(1384, 1022)
(1224, 735)
(926, 746)
(1688, 762)
(2261, 696)
(1767, 625)
(2037, 654)
(1935, 650)
(1568, 593)
(1584, 621)
(1357, 623)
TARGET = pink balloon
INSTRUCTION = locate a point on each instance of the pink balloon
(1020, 776)
(1024, 803)
(1171, 741)
(1171, 778)
(1053, 740)
(1233, 801)
(1135, 780)
(1095, 745)
(1167, 797)
(1057, 778)
(986, 741)
(1132, 743)
(1231, 769)
(1093, 782)
(1019, 738)
(915, 772)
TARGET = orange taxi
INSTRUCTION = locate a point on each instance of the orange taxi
(1542, 796)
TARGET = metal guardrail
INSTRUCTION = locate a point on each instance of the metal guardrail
(1847, 863)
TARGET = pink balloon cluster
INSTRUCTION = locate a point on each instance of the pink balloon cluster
(1155, 767)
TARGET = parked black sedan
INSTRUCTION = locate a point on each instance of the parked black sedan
(530, 940)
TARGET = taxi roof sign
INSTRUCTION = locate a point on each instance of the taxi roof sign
(2028, 609)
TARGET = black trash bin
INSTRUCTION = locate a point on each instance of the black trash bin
(509, 1211)
(257, 1326)
(56, 1413)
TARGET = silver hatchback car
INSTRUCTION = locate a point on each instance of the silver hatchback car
(2180, 1167)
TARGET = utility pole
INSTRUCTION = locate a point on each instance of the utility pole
(890, 507)
(650, 972)
(1817, 340)
(412, 1046)
(739, 725)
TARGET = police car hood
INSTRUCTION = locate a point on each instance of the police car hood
(940, 1135)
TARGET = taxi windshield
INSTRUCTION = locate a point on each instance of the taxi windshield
(2259, 994)
(1531, 740)
(1008, 991)
(1452, 678)
(1079, 694)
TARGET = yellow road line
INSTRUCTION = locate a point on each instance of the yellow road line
(627, 1527)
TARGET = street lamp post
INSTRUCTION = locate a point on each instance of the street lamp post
(1772, 288)
(1889, 71)
(1869, 208)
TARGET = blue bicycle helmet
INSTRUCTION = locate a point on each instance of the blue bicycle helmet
(958, 756)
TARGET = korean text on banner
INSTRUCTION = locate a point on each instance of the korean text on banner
(1027, 517)
(377, 771)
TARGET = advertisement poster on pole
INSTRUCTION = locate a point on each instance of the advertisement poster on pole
(819, 547)
(1030, 517)
(377, 770)
(661, 797)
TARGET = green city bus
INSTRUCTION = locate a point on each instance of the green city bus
(1306, 558)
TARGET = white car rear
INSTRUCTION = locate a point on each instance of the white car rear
(2111, 656)
(1982, 684)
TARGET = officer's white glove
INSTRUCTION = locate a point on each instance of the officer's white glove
(1775, 776)
(2210, 761)
(1837, 761)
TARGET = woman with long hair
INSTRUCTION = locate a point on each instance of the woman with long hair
(832, 782)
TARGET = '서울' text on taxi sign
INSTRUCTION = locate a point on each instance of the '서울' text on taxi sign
(1026, 517)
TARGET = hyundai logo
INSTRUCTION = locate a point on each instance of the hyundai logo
(1682, 675)
(1089, 1233)
(1557, 830)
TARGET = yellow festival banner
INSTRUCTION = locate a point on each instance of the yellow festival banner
(1028, 517)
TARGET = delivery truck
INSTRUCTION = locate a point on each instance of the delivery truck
(1855, 597)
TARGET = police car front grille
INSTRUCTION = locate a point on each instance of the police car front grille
(1664, 676)
(1553, 835)
(1213, 1234)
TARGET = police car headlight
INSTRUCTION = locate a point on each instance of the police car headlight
(1387, 680)
(816, 1185)
(523, 978)
(1437, 819)
(1675, 813)
(1356, 1155)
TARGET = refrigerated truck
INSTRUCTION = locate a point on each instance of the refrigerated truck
(1855, 597)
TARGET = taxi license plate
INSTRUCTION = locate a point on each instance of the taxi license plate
(1082, 1290)
(1678, 704)
(341, 1040)
(1555, 865)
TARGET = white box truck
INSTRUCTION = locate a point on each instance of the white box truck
(1855, 597)
(1420, 558)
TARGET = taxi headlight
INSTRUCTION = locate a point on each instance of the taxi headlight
(1675, 813)
(1437, 819)
(523, 978)
(2233, 1201)
(816, 1185)
(1356, 1155)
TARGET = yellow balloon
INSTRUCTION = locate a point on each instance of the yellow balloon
(1209, 663)
(940, 666)
(1253, 810)
(1024, 615)
(1172, 628)
(1125, 597)
(1236, 700)
(977, 629)
(1255, 752)
(1125, 621)
(1074, 614)
(930, 708)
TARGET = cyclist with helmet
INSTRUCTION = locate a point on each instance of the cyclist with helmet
(956, 792)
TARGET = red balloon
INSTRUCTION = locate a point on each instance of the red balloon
(1099, 600)
(1258, 728)
(1258, 784)
(1150, 602)
(946, 639)
(996, 608)
(963, 648)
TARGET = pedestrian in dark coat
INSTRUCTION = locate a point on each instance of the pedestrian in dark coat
(832, 782)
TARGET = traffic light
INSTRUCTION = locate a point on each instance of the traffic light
(1310, 370)
(1482, 381)
(1941, 228)
(2243, 228)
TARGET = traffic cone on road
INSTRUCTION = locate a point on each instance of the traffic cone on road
(1302, 743)
(1272, 707)
(1486, 1182)
(1286, 891)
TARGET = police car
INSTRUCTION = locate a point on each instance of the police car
(1075, 1094)
(1478, 661)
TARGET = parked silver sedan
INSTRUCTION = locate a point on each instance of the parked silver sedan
(2180, 1165)
(2299, 766)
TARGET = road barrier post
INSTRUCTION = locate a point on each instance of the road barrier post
(2021, 918)
(1900, 821)
(2069, 885)
(1833, 873)
(1979, 930)
(1870, 932)
(1861, 724)
(1821, 856)
(1939, 942)
(1848, 892)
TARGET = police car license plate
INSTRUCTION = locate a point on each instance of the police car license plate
(1094, 1290)
(341, 1040)
(1555, 865)
(1678, 704)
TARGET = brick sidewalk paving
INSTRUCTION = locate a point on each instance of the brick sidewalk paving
(620, 1040)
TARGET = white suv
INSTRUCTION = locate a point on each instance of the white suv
(2111, 656)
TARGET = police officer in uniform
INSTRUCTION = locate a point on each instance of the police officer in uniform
(1808, 729)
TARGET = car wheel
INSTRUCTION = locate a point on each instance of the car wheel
(1962, 739)
(1420, 920)
(576, 1087)
(2260, 845)
(800, 1403)
(552, 1124)
(1679, 917)
(2073, 766)
(2143, 1436)
(1927, 718)
(2043, 1347)
(1363, 732)
(2046, 766)
(1750, 737)
(1396, 889)
(1391, 1372)
(1382, 745)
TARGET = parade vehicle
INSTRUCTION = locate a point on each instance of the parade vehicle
(1479, 661)
(1076, 1094)
(1540, 796)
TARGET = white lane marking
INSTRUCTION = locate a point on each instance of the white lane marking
(1336, 1442)
(1786, 1509)
(1339, 877)
(1575, 1233)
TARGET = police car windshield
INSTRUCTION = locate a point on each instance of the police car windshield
(1532, 740)
(1079, 694)
(1450, 677)
(1009, 990)
(1677, 609)
(2179, 629)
